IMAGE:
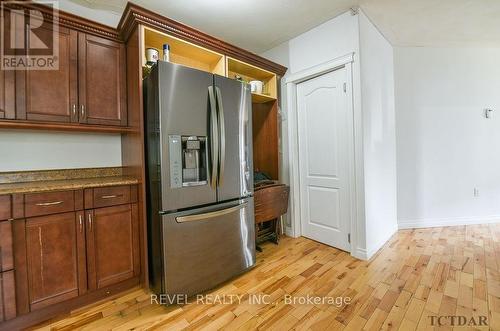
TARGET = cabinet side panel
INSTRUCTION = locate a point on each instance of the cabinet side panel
(133, 159)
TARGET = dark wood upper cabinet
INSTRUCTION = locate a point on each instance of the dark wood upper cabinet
(7, 77)
(102, 81)
(88, 85)
(112, 245)
(7, 94)
(55, 258)
(51, 95)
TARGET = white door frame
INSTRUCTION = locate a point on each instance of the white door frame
(346, 62)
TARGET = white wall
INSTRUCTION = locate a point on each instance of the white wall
(379, 135)
(446, 147)
(35, 150)
(330, 40)
(24, 150)
(374, 116)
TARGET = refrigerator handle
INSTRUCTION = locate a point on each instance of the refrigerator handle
(222, 135)
(214, 139)
(210, 215)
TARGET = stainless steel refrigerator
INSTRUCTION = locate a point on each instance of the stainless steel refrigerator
(200, 179)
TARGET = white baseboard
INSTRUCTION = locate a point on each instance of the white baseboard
(289, 232)
(360, 253)
(452, 221)
(378, 246)
(366, 254)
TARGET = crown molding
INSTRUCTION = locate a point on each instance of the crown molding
(135, 15)
(69, 20)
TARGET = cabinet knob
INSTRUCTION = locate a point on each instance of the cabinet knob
(82, 111)
(73, 111)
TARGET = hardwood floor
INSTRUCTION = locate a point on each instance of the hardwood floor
(418, 274)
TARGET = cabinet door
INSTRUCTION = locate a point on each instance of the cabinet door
(102, 84)
(7, 82)
(51, 95)
(7, 95)
(7, 296)
(55, 254)
(112, 245)
(6, 256)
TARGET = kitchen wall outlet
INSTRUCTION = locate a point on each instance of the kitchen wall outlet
(476, 192)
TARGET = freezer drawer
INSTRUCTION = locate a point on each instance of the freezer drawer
(207, 246)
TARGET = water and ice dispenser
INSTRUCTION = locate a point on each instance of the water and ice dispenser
(188, 160)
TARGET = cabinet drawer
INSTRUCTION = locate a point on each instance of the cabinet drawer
(6, 257)
(109, 196)
(49, 203)
(5, 207)
(7, 296)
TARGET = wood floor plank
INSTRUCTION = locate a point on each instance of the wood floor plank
(418, 275)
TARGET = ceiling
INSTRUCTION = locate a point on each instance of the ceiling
(436, 22)
(259, 25)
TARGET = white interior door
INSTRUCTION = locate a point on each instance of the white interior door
(324, 138)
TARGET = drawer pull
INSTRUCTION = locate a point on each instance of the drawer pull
(44, 204)
(90, 222)
(81, 223)
(111, 196)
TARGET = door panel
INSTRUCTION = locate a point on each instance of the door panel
(184, 110)
(324, 137)
(206, 247)
(112, 245)
(7, 94)
(57, 103)
(7, 296)
(236, 178)
(6, 251)
(7, 80)
(324, 207)
(53, 256)
(101, 71)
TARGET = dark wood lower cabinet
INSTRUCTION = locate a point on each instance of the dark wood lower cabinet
(7, 296)
(6, 256)
(112, 245)
(57, 256)
(54, 258)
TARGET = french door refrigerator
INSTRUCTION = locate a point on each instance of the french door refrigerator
(200, 179)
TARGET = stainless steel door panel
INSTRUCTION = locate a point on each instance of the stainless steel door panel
(185, 111)
(205, 247)
(236, 164)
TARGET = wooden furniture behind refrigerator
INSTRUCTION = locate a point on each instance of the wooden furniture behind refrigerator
(271, 202)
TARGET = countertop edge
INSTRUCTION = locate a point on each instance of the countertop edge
(64, 185)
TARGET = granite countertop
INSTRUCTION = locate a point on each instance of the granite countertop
(60, 180)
